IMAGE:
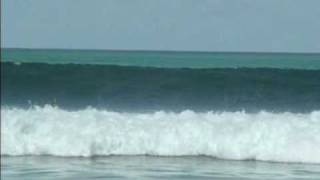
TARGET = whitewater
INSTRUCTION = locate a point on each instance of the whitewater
(265, 136)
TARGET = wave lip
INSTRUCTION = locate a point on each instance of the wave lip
(278, 137)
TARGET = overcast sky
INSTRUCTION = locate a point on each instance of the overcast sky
(201, 25)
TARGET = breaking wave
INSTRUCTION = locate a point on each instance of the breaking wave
(48, 130)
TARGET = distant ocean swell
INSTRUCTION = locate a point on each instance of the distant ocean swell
(278, 137)
(146, 89)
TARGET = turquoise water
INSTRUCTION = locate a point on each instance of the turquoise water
(146, 167)
(165, 59)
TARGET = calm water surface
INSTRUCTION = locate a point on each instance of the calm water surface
(146, 167)
(165, 59)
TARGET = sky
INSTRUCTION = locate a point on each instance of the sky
(196, 25)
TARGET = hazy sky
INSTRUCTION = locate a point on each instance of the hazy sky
(205, 25)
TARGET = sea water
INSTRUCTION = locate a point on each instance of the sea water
(159, 115)
(166, 59)
(151, 167)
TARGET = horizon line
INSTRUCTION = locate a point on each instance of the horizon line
(157, 50)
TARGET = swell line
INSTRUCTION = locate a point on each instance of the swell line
(76, 86)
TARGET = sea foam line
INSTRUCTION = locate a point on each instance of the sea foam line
(279, 137)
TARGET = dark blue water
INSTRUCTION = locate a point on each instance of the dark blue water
(122, 88)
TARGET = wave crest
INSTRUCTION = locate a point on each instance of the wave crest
(279, 137)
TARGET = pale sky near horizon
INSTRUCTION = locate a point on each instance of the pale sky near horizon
(198, 25)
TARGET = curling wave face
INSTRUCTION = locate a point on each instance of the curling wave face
(278, 137)
(146, 89)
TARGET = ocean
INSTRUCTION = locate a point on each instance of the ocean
(84, 114)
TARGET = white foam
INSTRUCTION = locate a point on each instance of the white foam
(285, 137)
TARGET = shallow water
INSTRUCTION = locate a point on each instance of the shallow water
(150, 167)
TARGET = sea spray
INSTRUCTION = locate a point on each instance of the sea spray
(278, 137)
